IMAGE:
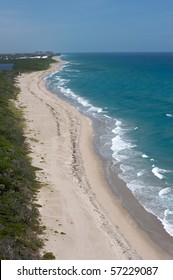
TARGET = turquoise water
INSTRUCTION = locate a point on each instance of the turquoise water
(129, 96)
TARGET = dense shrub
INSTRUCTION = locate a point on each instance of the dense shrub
(19, 218)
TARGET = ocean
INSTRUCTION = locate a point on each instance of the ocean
(129, 97)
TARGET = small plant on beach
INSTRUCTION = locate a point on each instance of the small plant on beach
(43, 227)
(62, 233)
(48, 256)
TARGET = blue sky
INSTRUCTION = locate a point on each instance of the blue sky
(86, 25)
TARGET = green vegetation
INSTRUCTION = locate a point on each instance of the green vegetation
(19, 217)
(25, 65)
(48, 256)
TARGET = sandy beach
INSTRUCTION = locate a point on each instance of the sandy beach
(83, 219)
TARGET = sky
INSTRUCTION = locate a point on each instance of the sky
(86, 26)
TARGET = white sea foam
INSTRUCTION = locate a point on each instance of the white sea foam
(167, 213)
(62, 82)
(118, 123)
(127, 174)
(118, 129)
(121, 149)
(168, 227)
(158, 172)
(135, 185)
(118, 144)
(165, 191)
(141, 172)
(95, 109)
(106, 116)
(84, 102)
(126, 168)
(72, 71)
(169, 115)
(67, 92)
(49, 76)
(145, 156)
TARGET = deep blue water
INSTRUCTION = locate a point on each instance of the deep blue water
(130, 98)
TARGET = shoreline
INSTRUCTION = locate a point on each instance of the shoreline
(83, 219)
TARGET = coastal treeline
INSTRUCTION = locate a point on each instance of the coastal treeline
(19, 216)
(27, 64)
